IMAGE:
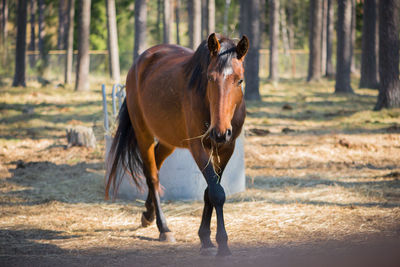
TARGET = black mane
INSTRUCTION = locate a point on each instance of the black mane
(196, 67)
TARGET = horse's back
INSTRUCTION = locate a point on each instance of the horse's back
(155, 90)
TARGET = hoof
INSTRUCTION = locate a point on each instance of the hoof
(146, 222)
(211, 251)
(167, 237)
(223, 252)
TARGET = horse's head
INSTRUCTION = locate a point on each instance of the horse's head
(225, 84)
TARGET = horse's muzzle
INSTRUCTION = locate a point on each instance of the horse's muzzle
(219, 137)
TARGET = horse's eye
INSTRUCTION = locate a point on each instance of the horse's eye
(240, 82)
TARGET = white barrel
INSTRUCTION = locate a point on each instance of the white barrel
(181, 179)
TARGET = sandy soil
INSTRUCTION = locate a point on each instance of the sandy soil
(322, 175)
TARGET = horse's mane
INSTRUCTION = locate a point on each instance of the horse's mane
(196, 67)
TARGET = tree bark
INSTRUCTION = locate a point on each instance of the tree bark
(285, 37)
(243, 23)
(253, 56)
(329, 39)
(177, 18)
(353, 35)
(69, 42)
(210, 16)
(62, 23)
(41, 33)
(158, 29)
(369, 63)
(20, 52)
(4, 32)
(314, 62)
(32, 45)
(204, 18)
(273, 40)
(323, 35)
(226, 16)
(140, 27)
(82, 70)
(344, 47)
(167, 21)
(32, 12)
(389, 90)
(263, 22)
(290, 26)
(4, 22)
(113, 54)
(194, 7)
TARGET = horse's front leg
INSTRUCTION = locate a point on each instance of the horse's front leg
(204, 231)
(216, 198)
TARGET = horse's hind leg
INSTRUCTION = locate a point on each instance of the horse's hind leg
(146, 146)
(161, 153)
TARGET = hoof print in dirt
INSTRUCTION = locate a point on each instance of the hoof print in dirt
(223, 252)
(258, 132)
(393, 129)
(287, 107)
(211, 251)
(287, 130)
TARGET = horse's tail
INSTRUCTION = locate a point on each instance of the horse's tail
(124, 154)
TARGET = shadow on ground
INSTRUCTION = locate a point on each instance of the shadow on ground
(357, 251)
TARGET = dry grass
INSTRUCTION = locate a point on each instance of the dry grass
(334, 179)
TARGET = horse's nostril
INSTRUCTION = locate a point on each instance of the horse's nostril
(228, 133)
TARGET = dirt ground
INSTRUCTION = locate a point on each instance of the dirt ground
(322, 176)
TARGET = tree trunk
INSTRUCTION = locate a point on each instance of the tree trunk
(177, 18)
(263, 22)
(167, 21)
(253, 56)
(243, 23)
(273, 40)
(159, 11)
(20, 52)
(329, 39)
(344, 47)
(323, 36)
(113, 54)
(194, 8)
(290, 26)
(314, 62)
(226, 16)
(32, 45)
(62, 23)
(285, 38)
(4, 22)
(41, 33)
(140, 27)
(4, 32)
(82, 70)
(389, 90)
(369, 63)
(353, 35)
(210, 16)
(204, 18)
(69, 42)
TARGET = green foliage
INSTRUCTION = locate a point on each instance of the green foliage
(98, 25)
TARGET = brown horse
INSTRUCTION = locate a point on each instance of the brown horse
(183, 99)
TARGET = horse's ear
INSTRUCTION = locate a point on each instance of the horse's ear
(242, 47)
(213, 45)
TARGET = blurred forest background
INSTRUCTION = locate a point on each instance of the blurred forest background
(289, 39)
(322, 166)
